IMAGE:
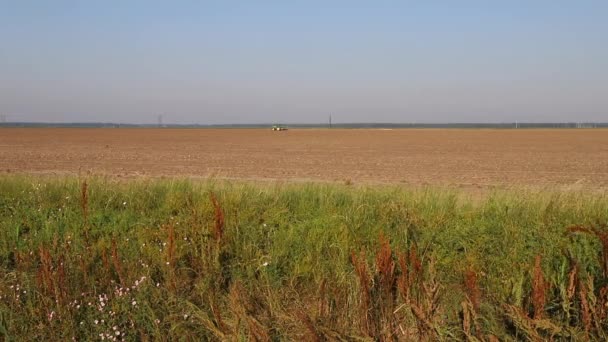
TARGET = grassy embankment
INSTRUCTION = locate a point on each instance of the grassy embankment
(166, 259)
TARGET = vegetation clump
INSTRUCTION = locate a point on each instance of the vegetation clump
(175, 259)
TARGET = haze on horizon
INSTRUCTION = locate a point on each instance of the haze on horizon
(277, 61)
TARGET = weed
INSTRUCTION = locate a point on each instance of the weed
(240, 261)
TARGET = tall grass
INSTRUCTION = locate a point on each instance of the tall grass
(174, 259)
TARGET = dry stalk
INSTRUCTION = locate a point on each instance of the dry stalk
(596, 311)
(466, 319)
(411, 271)
(45, 272)
(472, 288)
(239, 306)
(534, 329)
(386, 291)
(364, 290)
(236, 302)
(420, 293)
(311, 331)
(572, 280)
(218, 226)
(116, 262)
(84, 200)
(50, 279)
(385, 266)
(431, 291)
(539, 289)
(105, 261)
(424, 304)
(217, 316)
(257, 331)
(415, 274)
(425, 326)
(493, 338)
(523, 323)
(402, 282)
(473, 294)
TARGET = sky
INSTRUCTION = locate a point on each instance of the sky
(222, 62)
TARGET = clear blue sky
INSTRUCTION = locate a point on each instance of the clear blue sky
(299, 61)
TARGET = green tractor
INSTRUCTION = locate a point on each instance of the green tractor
(279, 128)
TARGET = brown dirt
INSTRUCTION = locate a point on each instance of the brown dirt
(462, 158)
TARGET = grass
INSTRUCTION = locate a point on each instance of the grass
(146, 260)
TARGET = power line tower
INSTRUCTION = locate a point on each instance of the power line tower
(160, 121)
(3, 118)
(329, 120)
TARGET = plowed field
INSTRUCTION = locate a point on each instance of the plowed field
(464, 158)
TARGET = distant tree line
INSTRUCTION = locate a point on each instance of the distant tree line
(510, 125)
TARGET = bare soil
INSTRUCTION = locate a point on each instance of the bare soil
(452, 157)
